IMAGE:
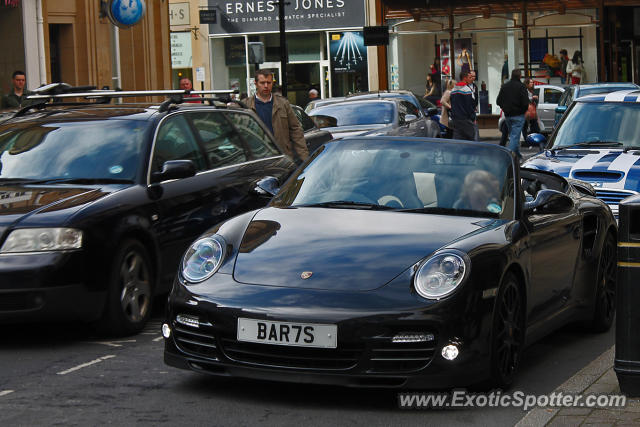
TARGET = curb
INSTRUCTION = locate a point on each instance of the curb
(577, 384)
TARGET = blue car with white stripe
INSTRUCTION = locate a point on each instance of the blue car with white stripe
(598, 141)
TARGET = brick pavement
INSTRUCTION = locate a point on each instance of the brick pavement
(596, 378)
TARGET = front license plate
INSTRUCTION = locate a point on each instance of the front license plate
(287, 333)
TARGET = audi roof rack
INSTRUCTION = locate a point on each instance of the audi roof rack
(58, 92)
(88, 93)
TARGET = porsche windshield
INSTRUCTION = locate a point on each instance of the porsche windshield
(405, 175)
(105, 149)
(610, 124)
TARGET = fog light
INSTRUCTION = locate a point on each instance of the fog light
(450, 352)
(412, 337)
(166, 330)
(187, 320)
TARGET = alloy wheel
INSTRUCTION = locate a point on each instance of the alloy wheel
(509, 333)
(135, 298)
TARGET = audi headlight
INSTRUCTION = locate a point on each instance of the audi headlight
(42, 239)
(203, 258)
(441, 274)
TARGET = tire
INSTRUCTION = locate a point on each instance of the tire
(507, 338)
(604, 309)
(130, 291)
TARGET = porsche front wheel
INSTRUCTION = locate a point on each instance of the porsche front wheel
(508, 332)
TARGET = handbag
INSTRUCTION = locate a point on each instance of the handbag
(532, 112)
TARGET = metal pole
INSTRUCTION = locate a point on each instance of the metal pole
(41, 54)
(283, 48)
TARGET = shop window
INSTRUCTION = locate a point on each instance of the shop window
(304, 47)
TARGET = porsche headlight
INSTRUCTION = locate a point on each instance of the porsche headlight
(42, 240)
(203, 258)
(441, 274)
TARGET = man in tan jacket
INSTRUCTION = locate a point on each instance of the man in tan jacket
(277, 114)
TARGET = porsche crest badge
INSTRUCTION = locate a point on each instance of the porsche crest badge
(306, 274)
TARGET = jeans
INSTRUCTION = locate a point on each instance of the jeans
(515, 124)
(464, 129)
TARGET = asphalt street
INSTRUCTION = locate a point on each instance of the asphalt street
(64, 375)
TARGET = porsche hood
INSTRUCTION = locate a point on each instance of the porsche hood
(340, 249)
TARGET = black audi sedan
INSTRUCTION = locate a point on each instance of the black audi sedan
(99, 202)
(395, 262)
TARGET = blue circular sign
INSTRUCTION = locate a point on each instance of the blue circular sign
(125, 13)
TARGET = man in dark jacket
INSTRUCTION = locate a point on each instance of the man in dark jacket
(514, 101)
(463, 108)
(276, 112)
(17, 98)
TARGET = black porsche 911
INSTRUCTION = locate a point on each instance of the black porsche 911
(395, 262)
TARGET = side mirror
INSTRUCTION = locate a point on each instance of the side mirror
(267, 186)
(560, 109)
(174, 169)
(535, 139)
(549, 202)
(409, 118)
(432, 111)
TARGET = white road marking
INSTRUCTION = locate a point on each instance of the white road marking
(84, 365)
(112, 343)
(5, 392)
(157, 339)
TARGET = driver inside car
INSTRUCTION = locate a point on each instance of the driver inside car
(480, 192)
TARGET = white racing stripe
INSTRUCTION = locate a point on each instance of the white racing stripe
(84, 365)
(623, 163)
(587, 162)
(618, 96)
(5, 392)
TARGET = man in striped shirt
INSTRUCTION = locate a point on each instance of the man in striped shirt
(463, 108)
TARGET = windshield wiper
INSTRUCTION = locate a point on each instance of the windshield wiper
(448, 211)
(80, 181)
(345, 204)
(627, 149)
(587, 144)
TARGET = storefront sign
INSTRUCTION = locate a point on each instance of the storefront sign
(260, 16)
(125, 13)
(179, 14)
(181, 50)
(199, 74)
(208, 16)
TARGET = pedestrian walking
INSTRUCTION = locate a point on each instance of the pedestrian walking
(476, 103)
(575, 68)
(277, 114)
(564, 61)
(463, 112)
(185, 84)
(531, 116)
(514, 101)
(445, 101)
(17, 97)
(432, 90)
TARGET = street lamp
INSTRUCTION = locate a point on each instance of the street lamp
(283, 46)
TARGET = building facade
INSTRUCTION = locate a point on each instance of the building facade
(73, 41)
(324, 40)
(529, 35)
